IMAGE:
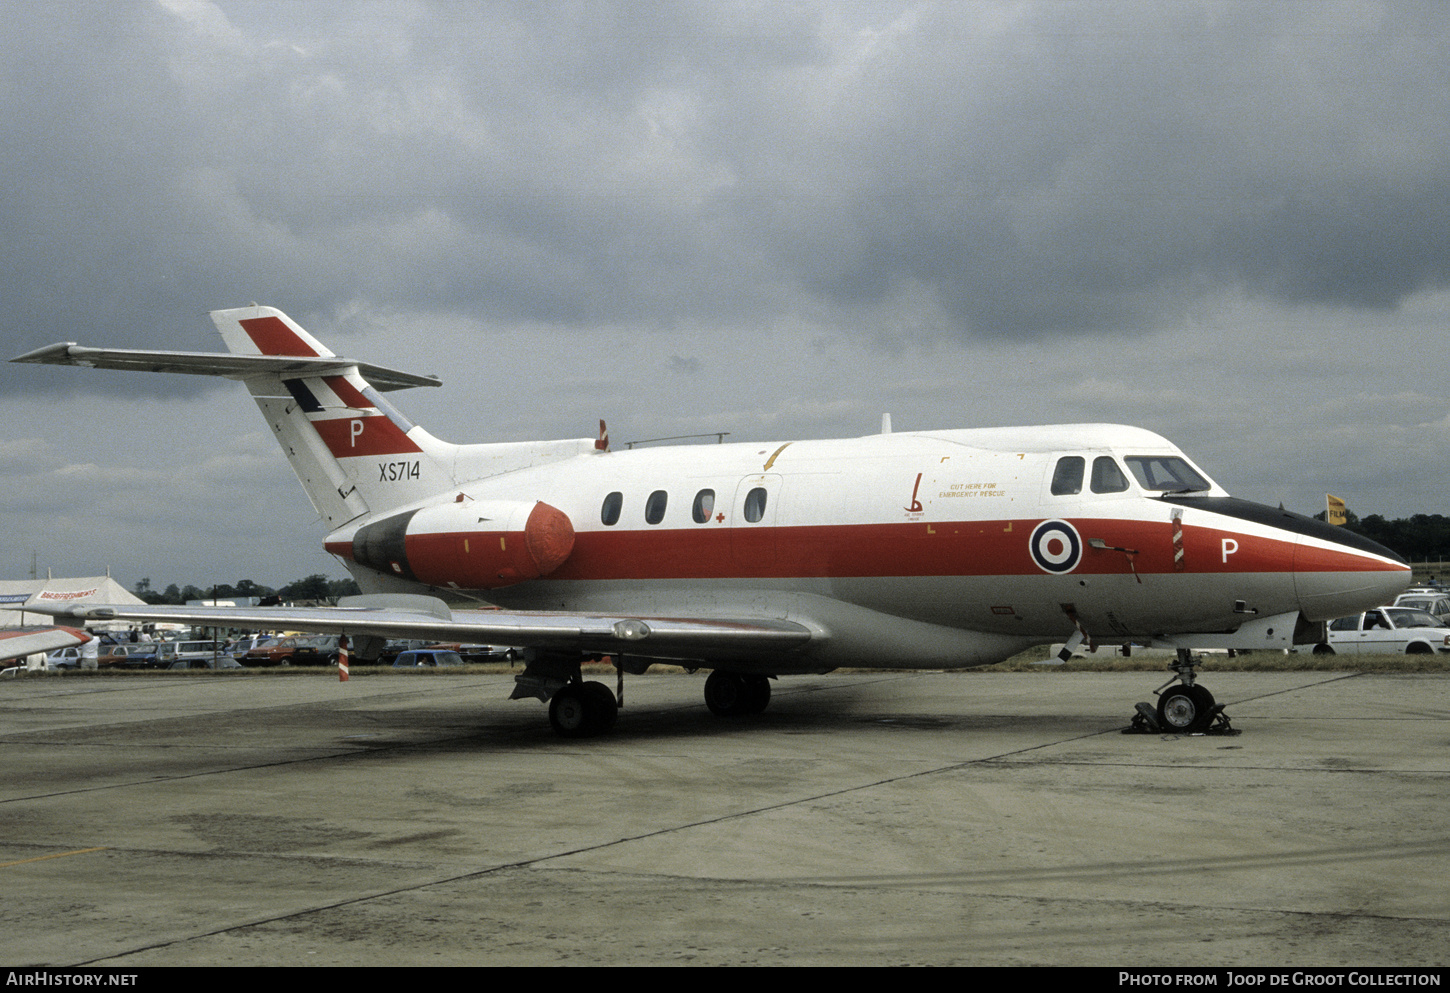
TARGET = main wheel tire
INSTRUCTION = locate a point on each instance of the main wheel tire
(726, 694)
(582, 710)
(603, 707)
(757, 691)
(1184, 709)
(569, 713)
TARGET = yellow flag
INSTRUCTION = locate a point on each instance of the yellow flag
(1334, 509)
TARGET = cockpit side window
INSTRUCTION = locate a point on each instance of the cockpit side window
(1167, 473)
(1067, 477)
(1107, 477)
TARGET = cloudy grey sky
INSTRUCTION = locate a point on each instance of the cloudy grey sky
(1226, 222)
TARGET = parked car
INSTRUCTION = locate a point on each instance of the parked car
(296, 649)
(170, 652)
(110, 655)
(1437, 604)
(64, 658)
(427, 658)
(242, 646)
(1386, 630)
(220, 662)
(473, 654)
(135, 655)
(396, 647)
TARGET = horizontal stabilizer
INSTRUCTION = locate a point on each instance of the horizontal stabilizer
(230, 366)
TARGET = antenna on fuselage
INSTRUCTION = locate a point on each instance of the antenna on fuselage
(885, 423)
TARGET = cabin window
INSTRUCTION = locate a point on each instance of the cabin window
(609, 513)
(755, 505)
(1067, 477)
(1165, 472)
(704, 506)
(654, 507)
(1107, 477)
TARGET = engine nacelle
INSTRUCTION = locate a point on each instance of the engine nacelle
(468, 544)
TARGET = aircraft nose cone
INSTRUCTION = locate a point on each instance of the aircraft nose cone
(1338, 573)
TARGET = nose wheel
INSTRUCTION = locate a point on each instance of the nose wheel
(1184, 707)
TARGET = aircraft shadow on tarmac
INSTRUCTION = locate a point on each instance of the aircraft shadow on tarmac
(461, 728)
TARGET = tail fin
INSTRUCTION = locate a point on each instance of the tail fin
(353, 452)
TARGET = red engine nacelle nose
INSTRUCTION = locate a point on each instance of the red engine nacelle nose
(468, 544)
(549, 538)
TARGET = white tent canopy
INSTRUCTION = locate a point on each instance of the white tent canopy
(93, 589)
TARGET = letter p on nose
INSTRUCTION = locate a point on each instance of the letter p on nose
(1230, 546)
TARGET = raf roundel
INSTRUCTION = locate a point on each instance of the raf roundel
(1056, 546)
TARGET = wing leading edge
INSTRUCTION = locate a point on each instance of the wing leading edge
(701, 640)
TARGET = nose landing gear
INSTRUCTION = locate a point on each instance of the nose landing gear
(1186, 708)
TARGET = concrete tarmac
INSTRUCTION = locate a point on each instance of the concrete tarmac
(864, 819)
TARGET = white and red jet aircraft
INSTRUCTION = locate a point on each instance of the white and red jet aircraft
(923, 549)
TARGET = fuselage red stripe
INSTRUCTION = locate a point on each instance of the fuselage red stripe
(975, 548)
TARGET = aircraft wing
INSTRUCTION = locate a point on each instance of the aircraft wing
(27, 641)
(702, 640)
(222, 364)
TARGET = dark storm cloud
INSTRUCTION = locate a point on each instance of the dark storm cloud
(1083, 165)
(1025, 169)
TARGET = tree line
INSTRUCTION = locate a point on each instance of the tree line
(315, 587)
(1421, 538)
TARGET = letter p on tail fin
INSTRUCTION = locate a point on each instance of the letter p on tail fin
(353, 452)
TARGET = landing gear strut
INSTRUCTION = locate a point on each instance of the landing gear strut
(1186, 708)
(578, 708)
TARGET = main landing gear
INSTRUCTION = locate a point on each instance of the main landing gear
(731, 694)
(1185, 708)
(582, 709)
